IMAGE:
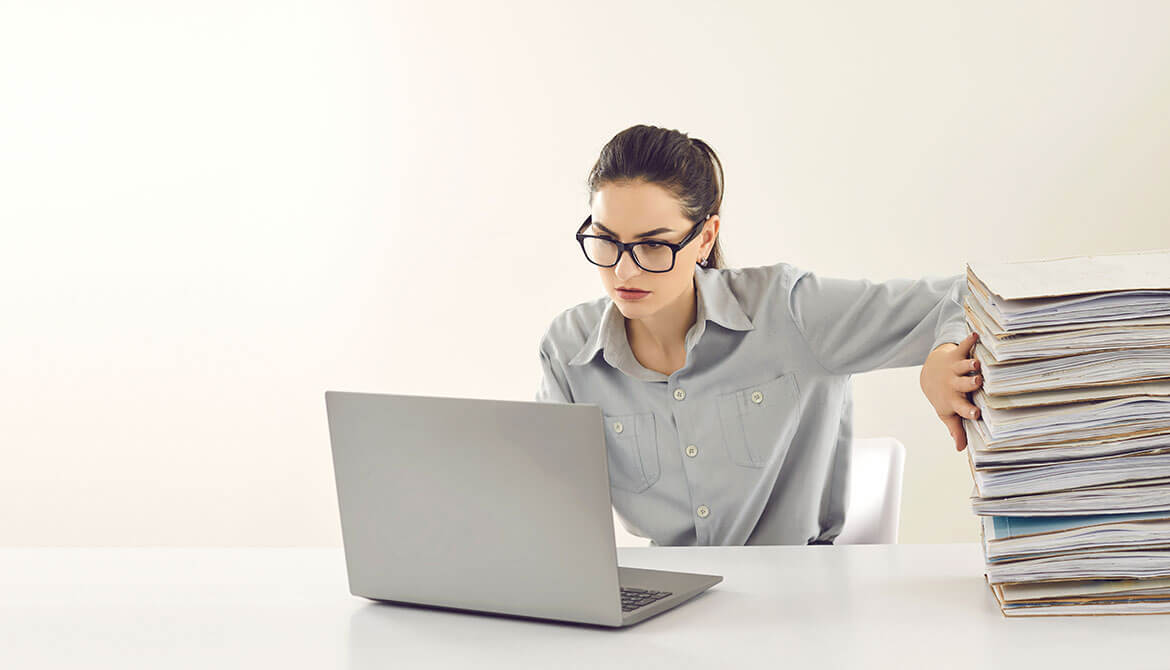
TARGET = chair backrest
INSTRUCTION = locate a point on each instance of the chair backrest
(625, 538)
(875, 492)
(875, 496)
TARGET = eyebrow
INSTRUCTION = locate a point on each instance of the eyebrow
(648, 233)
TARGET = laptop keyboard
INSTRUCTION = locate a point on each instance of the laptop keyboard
(633, 598)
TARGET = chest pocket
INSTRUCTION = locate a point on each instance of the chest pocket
(631, 442)
(759, 421)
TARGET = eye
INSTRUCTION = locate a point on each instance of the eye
(654, 245)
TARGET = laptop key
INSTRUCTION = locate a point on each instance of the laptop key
(632, 598)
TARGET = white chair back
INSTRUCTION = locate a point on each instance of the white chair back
(875, 492)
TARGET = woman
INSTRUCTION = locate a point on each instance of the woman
(726, 391)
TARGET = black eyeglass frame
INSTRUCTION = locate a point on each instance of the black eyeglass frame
(629, 246)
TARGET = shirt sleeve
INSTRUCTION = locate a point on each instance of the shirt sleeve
(553, 386)
(856, 325)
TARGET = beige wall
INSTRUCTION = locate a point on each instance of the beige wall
(212, 212)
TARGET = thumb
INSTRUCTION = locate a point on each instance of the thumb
(955, 426)
(968, 344)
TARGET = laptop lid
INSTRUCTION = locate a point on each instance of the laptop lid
(491, 505)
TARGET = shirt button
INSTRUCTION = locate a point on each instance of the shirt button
(703, 511)
(679, 394)
(757, 397)
(692, 450)
(617, 426)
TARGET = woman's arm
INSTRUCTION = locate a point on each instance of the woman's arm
(856, 325)
(553, 386)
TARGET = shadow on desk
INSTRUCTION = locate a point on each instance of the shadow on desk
(384, 634)
(378, 614)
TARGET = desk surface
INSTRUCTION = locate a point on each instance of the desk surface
(862, 606)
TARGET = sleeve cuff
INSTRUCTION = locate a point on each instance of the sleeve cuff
(953, 334)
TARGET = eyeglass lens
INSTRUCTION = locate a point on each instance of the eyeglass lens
(649, 255)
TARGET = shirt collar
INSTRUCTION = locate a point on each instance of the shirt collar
(714, 302)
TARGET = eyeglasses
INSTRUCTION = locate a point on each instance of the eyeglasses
(654, 256)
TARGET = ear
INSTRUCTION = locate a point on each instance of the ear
(709, 234)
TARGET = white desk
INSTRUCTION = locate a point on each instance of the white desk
(864, 606)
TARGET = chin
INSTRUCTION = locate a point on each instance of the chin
(633, 309)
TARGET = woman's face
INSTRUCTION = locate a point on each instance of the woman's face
(627, 213)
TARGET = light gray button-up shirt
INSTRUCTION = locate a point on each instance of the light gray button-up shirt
(748, 442)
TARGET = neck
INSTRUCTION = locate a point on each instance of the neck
(665, 330)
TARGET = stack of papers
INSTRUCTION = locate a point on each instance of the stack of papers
(1070, 455)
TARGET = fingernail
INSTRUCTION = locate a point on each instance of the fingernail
(972, 414)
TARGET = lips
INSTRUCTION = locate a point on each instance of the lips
(632, 290)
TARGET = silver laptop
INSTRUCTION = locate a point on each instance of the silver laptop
(490, 506)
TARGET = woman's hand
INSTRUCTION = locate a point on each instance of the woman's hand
(945, 383)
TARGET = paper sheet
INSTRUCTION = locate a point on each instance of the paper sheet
(1079, 274)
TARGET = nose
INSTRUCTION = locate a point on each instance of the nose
(626, 267)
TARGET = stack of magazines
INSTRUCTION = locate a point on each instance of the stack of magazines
(1070, 454)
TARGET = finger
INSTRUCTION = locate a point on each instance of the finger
(955, 426)
(963, 366)
(968, 344)
(964, 408)
(966, 384)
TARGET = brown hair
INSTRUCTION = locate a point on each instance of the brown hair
(687, 167)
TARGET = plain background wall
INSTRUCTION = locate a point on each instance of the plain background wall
(214, 211)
